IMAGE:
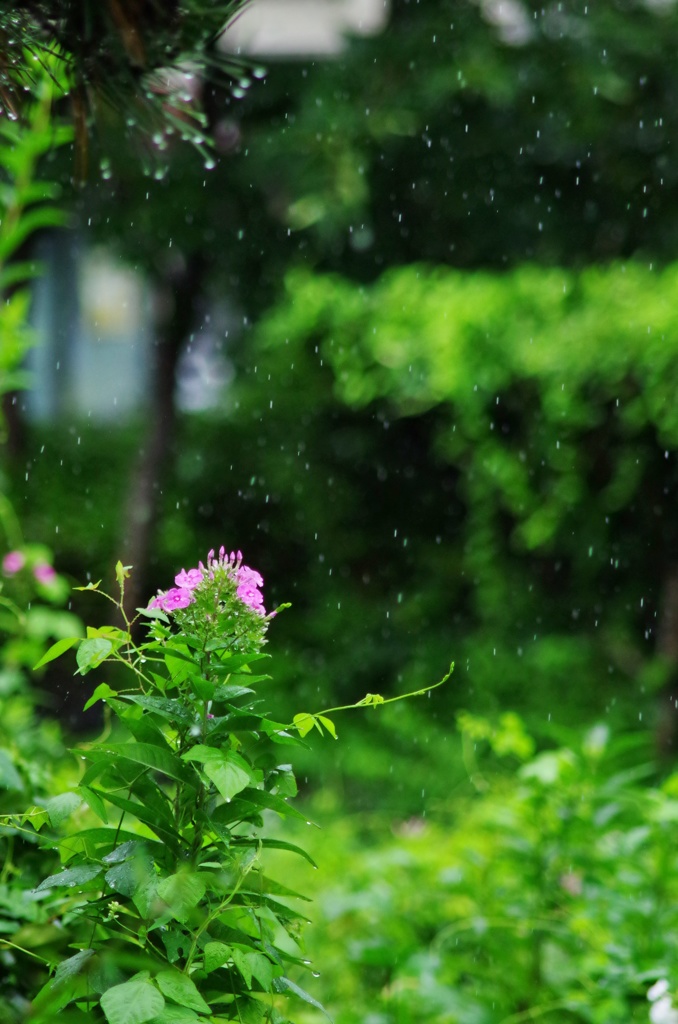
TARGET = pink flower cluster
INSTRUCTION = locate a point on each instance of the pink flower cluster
(248, 581)
(14, 561)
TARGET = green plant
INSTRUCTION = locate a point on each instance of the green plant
(163, 888)
(27, 205)
(545, 888)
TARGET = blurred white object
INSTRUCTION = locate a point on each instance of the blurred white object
(292, 28)
(662, 1010)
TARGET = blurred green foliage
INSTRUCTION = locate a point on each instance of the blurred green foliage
(27, 205)
(469, 457)
(439, 465)
(545, 889)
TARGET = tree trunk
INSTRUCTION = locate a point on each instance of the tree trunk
(667, 648)
(178, 309)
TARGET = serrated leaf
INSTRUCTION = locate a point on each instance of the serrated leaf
(180, 989)
(71, 877)
(133, 1002)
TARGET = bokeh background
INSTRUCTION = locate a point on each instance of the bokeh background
(408, 338)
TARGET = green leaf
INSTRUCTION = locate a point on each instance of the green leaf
(132, 1003)
(153, 757)
(216, 955)
(203, 688)
(262, 970)
(72, 966)
(121, 573)
(91, 653)
(94, 801)
(175, 1015)
(144, 728)
(329, 725)
(229, 692)
(103, 690)
(176, 942)
(260, 798)
(254, 965)
(181, 892)
(153, 613)
(71, 877)
(172, 710)
(240, 960)
(9, 776)
(52, 997)
(37, 816)
(57, 649)
(180, 989)
(150, 816)
(370, 700)
(285, 985)
(19, 272)
(61, 807)
(132, 874)
(241, 662)
(229, 772)
(108, 837)
(304, 723)
(274, 844)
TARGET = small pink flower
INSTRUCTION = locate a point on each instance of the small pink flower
(177, 597)
(188, 580)
(13, 562)
(249, 594)
(249, 576)
(44, 573)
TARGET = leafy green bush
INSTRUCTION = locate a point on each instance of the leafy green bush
(549, 891)
(507, 472)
